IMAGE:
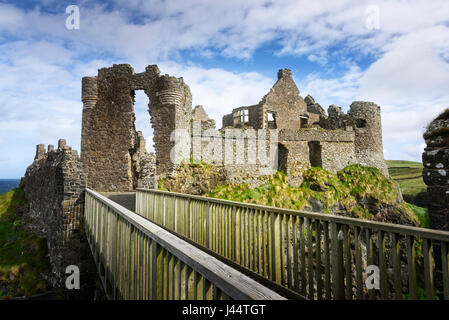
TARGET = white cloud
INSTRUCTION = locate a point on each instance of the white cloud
(42, 67)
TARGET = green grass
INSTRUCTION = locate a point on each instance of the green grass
(408, 175)
(422, 215)
(23, 256)
(404, 163)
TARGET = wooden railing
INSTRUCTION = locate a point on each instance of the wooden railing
(137, 259)
(319, 256)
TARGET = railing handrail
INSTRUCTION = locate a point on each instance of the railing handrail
(432, 234)
(230, 281)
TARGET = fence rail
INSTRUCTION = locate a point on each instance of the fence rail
(319, 256)
(137, 259)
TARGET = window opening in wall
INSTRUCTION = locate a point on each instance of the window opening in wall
(315, 156)
(271, 120)
(360, 123)
(143, 119)
(282, 156)
(304, 121)
(241, 117)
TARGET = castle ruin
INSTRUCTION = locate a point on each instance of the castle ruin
(290, 132)
(114, 155)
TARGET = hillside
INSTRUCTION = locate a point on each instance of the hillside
(23, 256)
(408, 174)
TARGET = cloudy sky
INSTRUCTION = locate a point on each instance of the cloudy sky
(394, 53)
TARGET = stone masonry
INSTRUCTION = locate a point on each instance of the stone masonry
(109, 141)
(309, 137)
(54, 185)
(436, 171)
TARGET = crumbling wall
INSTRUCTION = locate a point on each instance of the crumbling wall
(285, 101)
(110, 143)
(54, 186)
(365, 118)
(436, 171)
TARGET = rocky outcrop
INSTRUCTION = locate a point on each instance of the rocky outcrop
(195, 178)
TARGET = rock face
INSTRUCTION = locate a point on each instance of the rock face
(54, 185)
(194, 178)
(436, 171)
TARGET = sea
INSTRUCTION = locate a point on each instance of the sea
(8, 184)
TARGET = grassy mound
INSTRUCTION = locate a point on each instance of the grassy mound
(356, 191)
(23, 256)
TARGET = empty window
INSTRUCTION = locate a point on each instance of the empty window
(241, 116)
(271, 120)
(304, 121)
(360, 123)
(244, 116)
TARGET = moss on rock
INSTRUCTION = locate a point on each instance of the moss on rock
(354, 191)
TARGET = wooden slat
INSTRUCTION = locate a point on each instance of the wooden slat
(358, 264)
(445, 271)
(337, 263)
(395, 248)
(411, 267)
(428, 269)
(347, 261)
(382, 266)
(310, 258)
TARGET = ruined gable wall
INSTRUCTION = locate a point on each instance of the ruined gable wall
(284, 100)
(54, 186)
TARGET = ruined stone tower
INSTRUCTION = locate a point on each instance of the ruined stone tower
(110, 148)
(365, 119)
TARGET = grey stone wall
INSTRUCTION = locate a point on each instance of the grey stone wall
(54, 186)
(343, 139)
(109, 142)
(436, 171)
(365, 118)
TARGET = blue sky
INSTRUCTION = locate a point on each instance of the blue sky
(228, 53)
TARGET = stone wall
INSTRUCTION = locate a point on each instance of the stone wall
(365, 118)
(54, 186)
(109, 142)
(436, 171)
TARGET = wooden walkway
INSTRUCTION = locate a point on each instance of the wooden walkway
(138, 260)
(320, 256)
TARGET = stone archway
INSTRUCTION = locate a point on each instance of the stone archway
(109, 142)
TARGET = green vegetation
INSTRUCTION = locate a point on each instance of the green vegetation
(340, 193)
(408, 174)
(422, 215)
(23, 256)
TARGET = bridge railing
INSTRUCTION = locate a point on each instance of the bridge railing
(137, 259)
(320, 256)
